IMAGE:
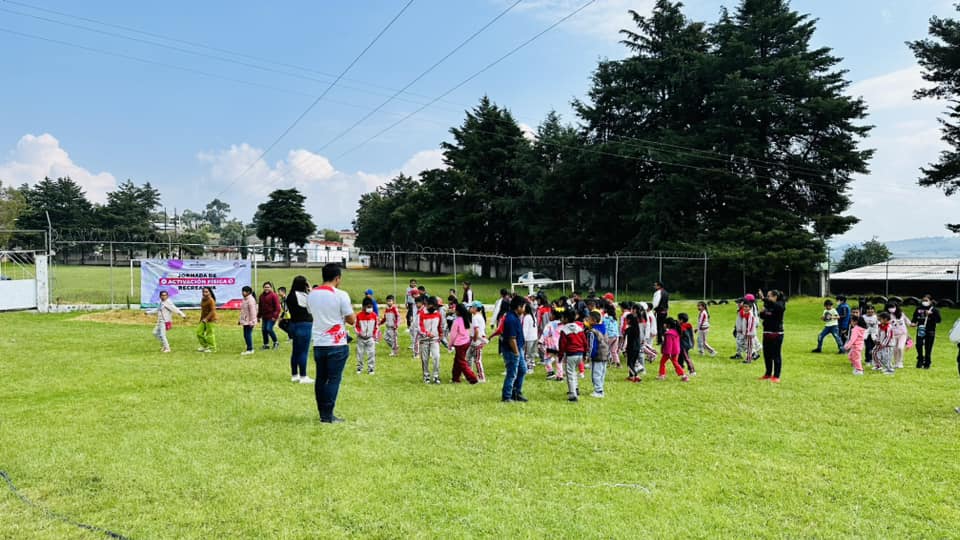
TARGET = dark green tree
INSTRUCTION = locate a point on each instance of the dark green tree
(939, 55)
(216, 214)
(331, 235)
(12, 204)
(127, 214)
(232, 232)
(283, 218)
(871, 252)
(71, 213)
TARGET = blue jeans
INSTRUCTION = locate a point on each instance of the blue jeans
(330, 362)
(248, 337)
(598, 372)
(300, 333)
(266, 328)
(516, 370)
(828, 331)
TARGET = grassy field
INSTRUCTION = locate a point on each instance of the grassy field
(98, 426)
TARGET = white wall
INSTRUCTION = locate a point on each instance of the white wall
(18, 294)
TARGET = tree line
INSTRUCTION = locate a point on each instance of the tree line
(736, 138)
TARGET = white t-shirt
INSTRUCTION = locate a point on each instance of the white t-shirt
(329, 306)
(529, 329)
(478, 323)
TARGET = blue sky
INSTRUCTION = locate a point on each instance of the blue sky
(103, 118)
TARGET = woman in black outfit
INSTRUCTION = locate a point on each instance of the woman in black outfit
(301, 327)
(772, 316)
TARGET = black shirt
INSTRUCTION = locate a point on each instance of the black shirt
(298, 313)
(928, 315)
(772, 316)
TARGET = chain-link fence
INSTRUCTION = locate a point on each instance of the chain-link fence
(88, 270)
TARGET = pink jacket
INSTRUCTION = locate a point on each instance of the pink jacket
(459, 334)
(671, 343)
(855, 342)
(248, 312)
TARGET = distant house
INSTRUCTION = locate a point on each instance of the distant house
(321, 251)
(902, 277)
(348, 237)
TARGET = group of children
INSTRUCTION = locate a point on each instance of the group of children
(880, 339)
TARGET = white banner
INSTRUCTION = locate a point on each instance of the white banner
(184, 280)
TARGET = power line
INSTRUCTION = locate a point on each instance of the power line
(184, 69)
(468, 79)
(320, 97)
(328, 76)
(421, 75)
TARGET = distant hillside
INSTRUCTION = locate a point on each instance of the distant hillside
(944, 246)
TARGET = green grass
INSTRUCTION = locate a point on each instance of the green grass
(97, 425)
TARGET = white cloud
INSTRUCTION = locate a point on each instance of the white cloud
(39, 156)
(332, 195)
(891, 90)
(603, 19)
(528, 132)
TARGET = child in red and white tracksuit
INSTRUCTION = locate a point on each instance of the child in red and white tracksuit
(571, 349)
(391, 323)
(886, 342)
(430, 334)
(854, 344)
(670, 350)
(367, 328)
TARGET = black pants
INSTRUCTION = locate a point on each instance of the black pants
(958, 357)
(868, 350)
(772, 359)
(924, 348)
(633, 354)
(661, 316)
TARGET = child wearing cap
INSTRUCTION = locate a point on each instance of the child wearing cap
(391, 322)
(369, 294)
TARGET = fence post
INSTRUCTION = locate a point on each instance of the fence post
(660, 271)
(131, 281)
(616, 276)
(255, 276)
(956, 293)
(111, 275)
(886, 279)
(454, 268)
(704, 276)
(510, 275)
(393, 252)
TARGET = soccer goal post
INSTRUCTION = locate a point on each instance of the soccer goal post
(565, 284)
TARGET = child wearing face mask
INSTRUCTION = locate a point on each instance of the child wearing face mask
(870, 318)
(367, 328)
(925, 318)
(854, 344)
(900, 324)
(886, 342)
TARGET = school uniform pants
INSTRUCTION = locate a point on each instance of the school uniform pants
(530, 354)
(160, 332)
(430, 350)
(571, 362)
(676, 365)
(391, 338)
(460, 365)
(366, 353)
(475, 358)
(598, 373)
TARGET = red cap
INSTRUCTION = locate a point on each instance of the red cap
(608, 296)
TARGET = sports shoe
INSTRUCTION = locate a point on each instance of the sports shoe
(245, 353)
(737, 356)
(714, 353)
(333, 420)
(957, 410)
(370, 372)
(662, 378)
(165, 350)
(572, 398)
(596, 395)
(436, 380)
(889, 372)
(899, 366)
(201, 349)
(876, 368)
(581, 375)
(306, 380)
(506, 400)
(266, 347)
(295, 378)
(858, 372)
(207, 350)
(765, 378)
(276, 345)
(426, 380)
(775, 379)
(693, 373)
(756, 356)
(520, 398)
(816, 350)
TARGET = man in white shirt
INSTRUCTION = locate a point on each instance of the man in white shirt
(332, 312)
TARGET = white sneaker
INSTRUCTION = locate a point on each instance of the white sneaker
(201, 349)
(370, 372)
(295, 378)
(857, 372)
(306, 380)
(596, 395)
(246, 353)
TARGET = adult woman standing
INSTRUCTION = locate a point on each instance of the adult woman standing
(772, 316)
(268, 311)
(208, 315)
(301, 324)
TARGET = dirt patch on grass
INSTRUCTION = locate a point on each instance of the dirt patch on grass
(140, 318)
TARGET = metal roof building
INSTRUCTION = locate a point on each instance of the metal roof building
(902, 277)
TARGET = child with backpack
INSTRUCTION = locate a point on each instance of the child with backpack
(599, 352)
(686, 342)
